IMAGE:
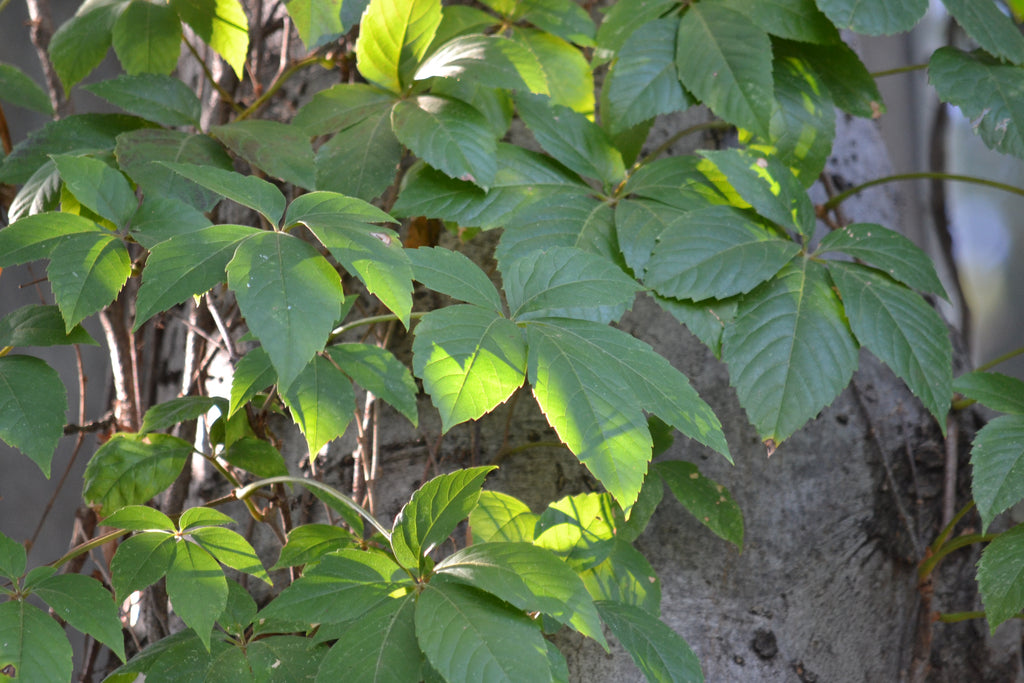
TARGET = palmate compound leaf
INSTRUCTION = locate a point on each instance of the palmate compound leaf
(393, 37)
(501, 517)
(874, 17)
(290, 297)
(380, 647)
(129, 469)
(230, 549)
(789, 350)
(255, 193)
(997, 457)
(902, 330)
(657, 650)
(86, 273)
(140, 561)
(1001, 577)
(321, 401)
(453, 273)
(378, 371)
(33, 646)
(281, 150)
(33, 403)
(470, 359)
(197, 588)
(98, 187)
(83, 602)
(470, 636)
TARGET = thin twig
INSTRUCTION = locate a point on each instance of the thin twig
(40, 33)
(920, 175)
(951, 465)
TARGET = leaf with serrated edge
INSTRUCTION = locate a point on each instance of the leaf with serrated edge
(997, 457)
(448, 134)
(307, 543)
(365, 650)
(81, 43)
(567, 72)
(470, 359)
(847, 79)
(321, 401)
(33, 644)
(317, 23)
(625, 576)
(147, 38)
(222, 25)
(1001, 577)
(656, 649)
(162, 99)
(20, 90)
(177, 410)
(997, 391)
(725, 60)
(197, 517)
(887, 250)
(710, 503)
(341, 106)
(501, 517)
(255, 193)
(794, 19)
(902, 330)
(493, 60)
(789, 350)
(231, 549)
(33, 403)
(253, 373)
(197, 589)
(139, 518)
(453, 273)
(35, 237)
(582, 221)
(84, 603)
(140, 561)
(280, 150)
(12, 558)
(37, 325)
(580, 529)
(290, 297)
(993, 30)
(361, 160)
(86, 273)
(874, 17)
(98, 187)
(378, 370)
(393, 38)
(128, 471)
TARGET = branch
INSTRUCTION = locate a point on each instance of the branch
(41, 32)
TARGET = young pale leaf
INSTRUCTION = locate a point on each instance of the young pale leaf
(33, 403)
(280, 150)
(986, 92)
(566, 71)
(186, 265)
(83, 602)
(140, 561)
(1001, 577)
(373, 143)
(796, 320)
(35, 237)
(794, 19)
(222, 25)
(12, 558)
(470, 636)
(874, 17)
(393, 38)
(250, 191)
(161, 99)
(342, 106)
(528, 577)
(453, 273)
(86, 273)
(129, 471)
(230, 549)
(147, 38)
(81, 43)
(317, 21)
(580, 529)
(36, 325)
(887, 250)
(500, 517)
(380, 646)
(139, 518)
(139, 154)
(378, 371)
(197, 588)
(656, 649)
(321, 401)
(21, 91)
(290, 297)
(449, 135)
(569, 283)
(177, 410)
(644, 81)
(625, 576)
(434, 511)
(33, 646)
(845, 77)
(716, 252)
(986, 24)
(725, 60)
(98, 187)
(709, 502)
(470, 359)
(492, 60)
(998, 392)
(902, 330)
(253, 373)
(310, 542)
(997, 456)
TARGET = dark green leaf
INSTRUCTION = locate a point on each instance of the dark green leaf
(230, 549)
(342, 106)
(674, 181)
(37, 325)
(162, 99)
(317, 21)
(874, 17)
(160, 219)
(986, 24)
(321, 401)
(379, 372)
(222, 25)
(639, 223)
(852, 87)
(580, 529)
(705, 319)
(500, 517)
(176, 658)
(656, 649)
(197, 588)
(86, 273)
(627, 16)
(449, 135)
(147, 38)
(393, 38)
(140, 561)
(250, 191)
(794, 19)
(33, 645)
(12, 558)
(253, 373)
(177, 410)
(361, 160)
(453, 273)
(379, 647)
(83, 602)
(280, 150)
(128, 471)
(33, 403)
(998, 392)
(98, 187)
(709, 502)
(627, 577)
(256, 456)
(1001, 577)
(563, 18)
(582, 221)
(21, 91)
(239, 611)
(495, 104)
(494, 61)
(998, 460)
(81, 43)
(309, 542)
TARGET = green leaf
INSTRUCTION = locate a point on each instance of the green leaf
(845, 77)
(470, 636)
(140, 561)
(161, 99)
(796, 320)
(321, 401)
(1001, 577)
(501, 517)
(625, 576)
(639, 223)
(239, 611)
(644, 81)
(710, 503)
(272, 659)
(98, 187)
(393, 38)
(187, 265)
(361, 160)
(12, 558)
(147, 38)
(491, 60)
(197, 588)
(197, 517)
(657, 650)
(887, 250)
(342, 106)
(33, 646)
(380, 646)
(563, 18)
(379, 372)
(81, 43)
(986, 92)
(36, 325)
(310, 542)
(290, 297)
(222, 25)
(902, 330)
(373, 253)
(715, 252)
(434, 511)
(998, 392)
(569, 283)
(139, 518)
(33, 403)
(257, 456)
(177, 410)
(580, 529)
(21, 91)
(453, 273)
(567, 73)
(794, 19)
(625, 17)
(995, 32)
(232, 550)
(317, 21)
(129, 471)
(86, 273)
(280, 150)
(528, 577)
(181, 655)
(470, 359)
(997, 456)
(41, 192)
(874, 17)
(725, 60)
(449, 135)
(571, 138)
(705, 319)
(253, 373)
(583, 221)
(36, 237)
(676, 182)
(652, 491)
(250, 191)
(83, 602)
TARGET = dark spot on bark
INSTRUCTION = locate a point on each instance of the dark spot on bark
(532, 436)
(803, 674)
(739, 660)
(843, 419)
(764, 644)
